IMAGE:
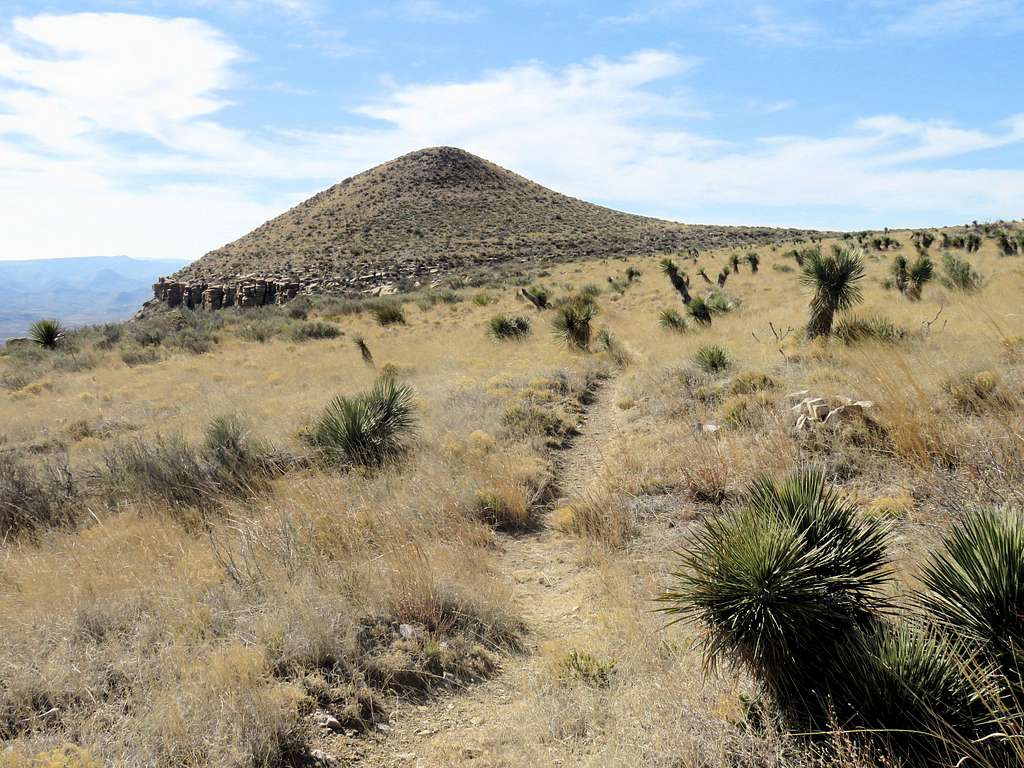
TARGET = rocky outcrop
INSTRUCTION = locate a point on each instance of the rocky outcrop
(245, 292)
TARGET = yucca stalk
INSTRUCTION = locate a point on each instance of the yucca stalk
(835, 280)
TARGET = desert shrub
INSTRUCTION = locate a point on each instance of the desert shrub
(975, 393)
(369, 429)
(1006, 244)
(262, 329)
(506, 506)
(134, 355)
(590, 291)
(529, 419)
(33, 499)
(751, 382)
(313, 330)
(109, 334)
(782, 268)
(169, 469)
(72, 362)
(721, 303)
(47, 333)
(484, 299)
(960, 274)
(508, 327)
(583, 667)
(572, 322)
(389, 313)
(671, 320)
(743, 411)
(853, 329)
(778, 582)
(430, 299)
(195, 340)
(147, 334)
(712, 358)
(632, 274)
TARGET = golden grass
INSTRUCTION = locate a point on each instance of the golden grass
(149, 643)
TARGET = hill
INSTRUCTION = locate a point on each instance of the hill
(427, 214)
(78, 290)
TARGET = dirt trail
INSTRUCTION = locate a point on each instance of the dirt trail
(553, 590)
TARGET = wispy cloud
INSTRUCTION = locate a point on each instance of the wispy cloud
(653, 11)
(767, 25)
(427, 11)
(942, 17)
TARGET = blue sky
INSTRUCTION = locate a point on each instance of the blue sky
(164, 128)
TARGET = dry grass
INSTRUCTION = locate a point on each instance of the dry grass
(146, 641)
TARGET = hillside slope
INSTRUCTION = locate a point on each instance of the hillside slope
(432, 212)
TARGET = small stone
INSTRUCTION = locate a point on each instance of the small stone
(407, 631)
(327, 720)
(323, 758)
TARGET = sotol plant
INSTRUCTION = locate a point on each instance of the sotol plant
(369, 429)
(712, 359)
(503, 327)
(47, 333)
(671, 320)
(835, 280)
(920, 273)
(699, 311)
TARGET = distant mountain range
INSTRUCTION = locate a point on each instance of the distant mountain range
(76, 291)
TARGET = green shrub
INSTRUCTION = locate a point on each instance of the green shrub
(369, 429)
(960, 274)
(47, 333)
(590, 291)
(752, 382)
(31, 500)
(572, 322)
(148, 335)
(853, 329)
(197, 341)
(389, 313)
(712, 358)
(782, 268)
(976, 393)
(263, 329)
(586, 668)
(529, 419)
(508, 327)
(314, 330)
(136, 355)
(632, 274)
(171, 470)
(671, 320)
(720, 302)
(484, 299)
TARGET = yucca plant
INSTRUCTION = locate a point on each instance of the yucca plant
(572, 322)
(908, 685)
(47, 333)
(699, 311)
(668, 266)
(671, 320)
(974, 586)
(369, 429)
(503, 327)
(920, 273)
(712, 358)
(364, 350)
(734, 262)
(632, 274)
(901, 272)
(973, 242)
(679, 281)
(754, 261)
(835, 280)
(778, 582)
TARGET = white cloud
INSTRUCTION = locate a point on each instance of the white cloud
(426, 11)
(768, 26)
(106, 150)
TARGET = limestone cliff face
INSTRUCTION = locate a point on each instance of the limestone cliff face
(427, 214)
